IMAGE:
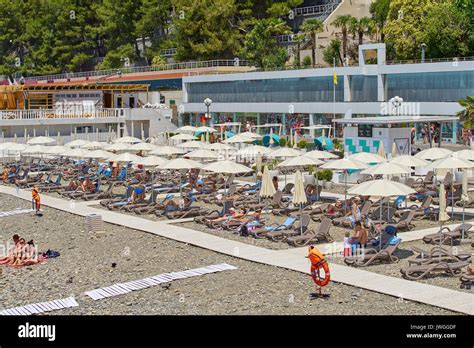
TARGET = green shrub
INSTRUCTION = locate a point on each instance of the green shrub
(325, 175)
(302, 144)
(307, 62)
(310, 170)
(282, 142)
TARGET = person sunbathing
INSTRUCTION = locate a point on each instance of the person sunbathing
(233, 214)
(171, 205)
(9, 257)
(5, 175)
(334, 209)
(87, 185)
(138, 193)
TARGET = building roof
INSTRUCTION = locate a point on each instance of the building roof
(55, 87)
(396, 119)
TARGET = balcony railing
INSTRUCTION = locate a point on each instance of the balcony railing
(44, 114)
(317, 10)
(139, 69)
(454, 60)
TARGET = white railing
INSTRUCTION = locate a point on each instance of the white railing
(324, 9)
(139, 69)
(63, 139)
(43, 114)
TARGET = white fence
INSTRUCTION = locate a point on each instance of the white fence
(62, 113)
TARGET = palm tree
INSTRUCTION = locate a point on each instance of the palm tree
(312, 27)
(467, 115)
(361, 27)
(298, 40)
(343, 22)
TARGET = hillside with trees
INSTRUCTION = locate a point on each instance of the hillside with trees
(58, 36)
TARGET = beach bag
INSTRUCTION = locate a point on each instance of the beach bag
(50, 254)
(244, 231)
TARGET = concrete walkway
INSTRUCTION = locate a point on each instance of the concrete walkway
(292, 259)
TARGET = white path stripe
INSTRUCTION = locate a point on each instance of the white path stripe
(122, 288)
(41, 307)
(14, 212)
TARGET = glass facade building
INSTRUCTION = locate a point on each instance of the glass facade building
(288, 90)
(431, 86)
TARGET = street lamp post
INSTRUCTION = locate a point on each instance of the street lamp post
(207, 102)
(423, 51)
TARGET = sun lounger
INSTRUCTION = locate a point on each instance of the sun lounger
(449, 236)
(322, 235)
(108, 193)
(439, 253)
(371, 255)
(300, 228)
(261, 232)
(405, 221)
(466, 281)
(215, 214)
(417, 272)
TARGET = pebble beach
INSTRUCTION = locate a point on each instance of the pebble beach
(87, 259)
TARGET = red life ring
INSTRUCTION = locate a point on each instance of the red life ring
(315, 273)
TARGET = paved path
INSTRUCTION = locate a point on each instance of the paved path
(292, 259)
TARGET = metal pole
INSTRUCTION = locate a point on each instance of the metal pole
(334, 100)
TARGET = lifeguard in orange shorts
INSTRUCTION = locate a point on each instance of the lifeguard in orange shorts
(36, 199)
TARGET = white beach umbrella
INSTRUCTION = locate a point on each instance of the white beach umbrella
(16, 147)
(76, 153)
(34, 150)
(253, 151)
(267, 190)
(451, 162)
(183, 137)
(324, 155)
(206, 129)
(464, 196)
(387, 168)
(227, 167)
(220, 147)
(299, 162)
(56, 150)
(99, 154)
(271, 136)
(258, 165)
(464, 154)
(185, 129)
(299, 194)
(295, 141)
(202, 154)
(251, 135)
(239, 138)
(125, 157)
(4, 146)
(41, 141)
(344, 164)
(77, 143)
(191, 145)
(143, 147)
(433, 153)
(93, 145)
(150, 161)
(381, 149)
(381, 188)
(367, 157)
(117, 147)
(323, 139)
(167, 151)
(284, 152)
(409, 161)
(180, 163)
(443, 215)
(127, 140)
(394, 150)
